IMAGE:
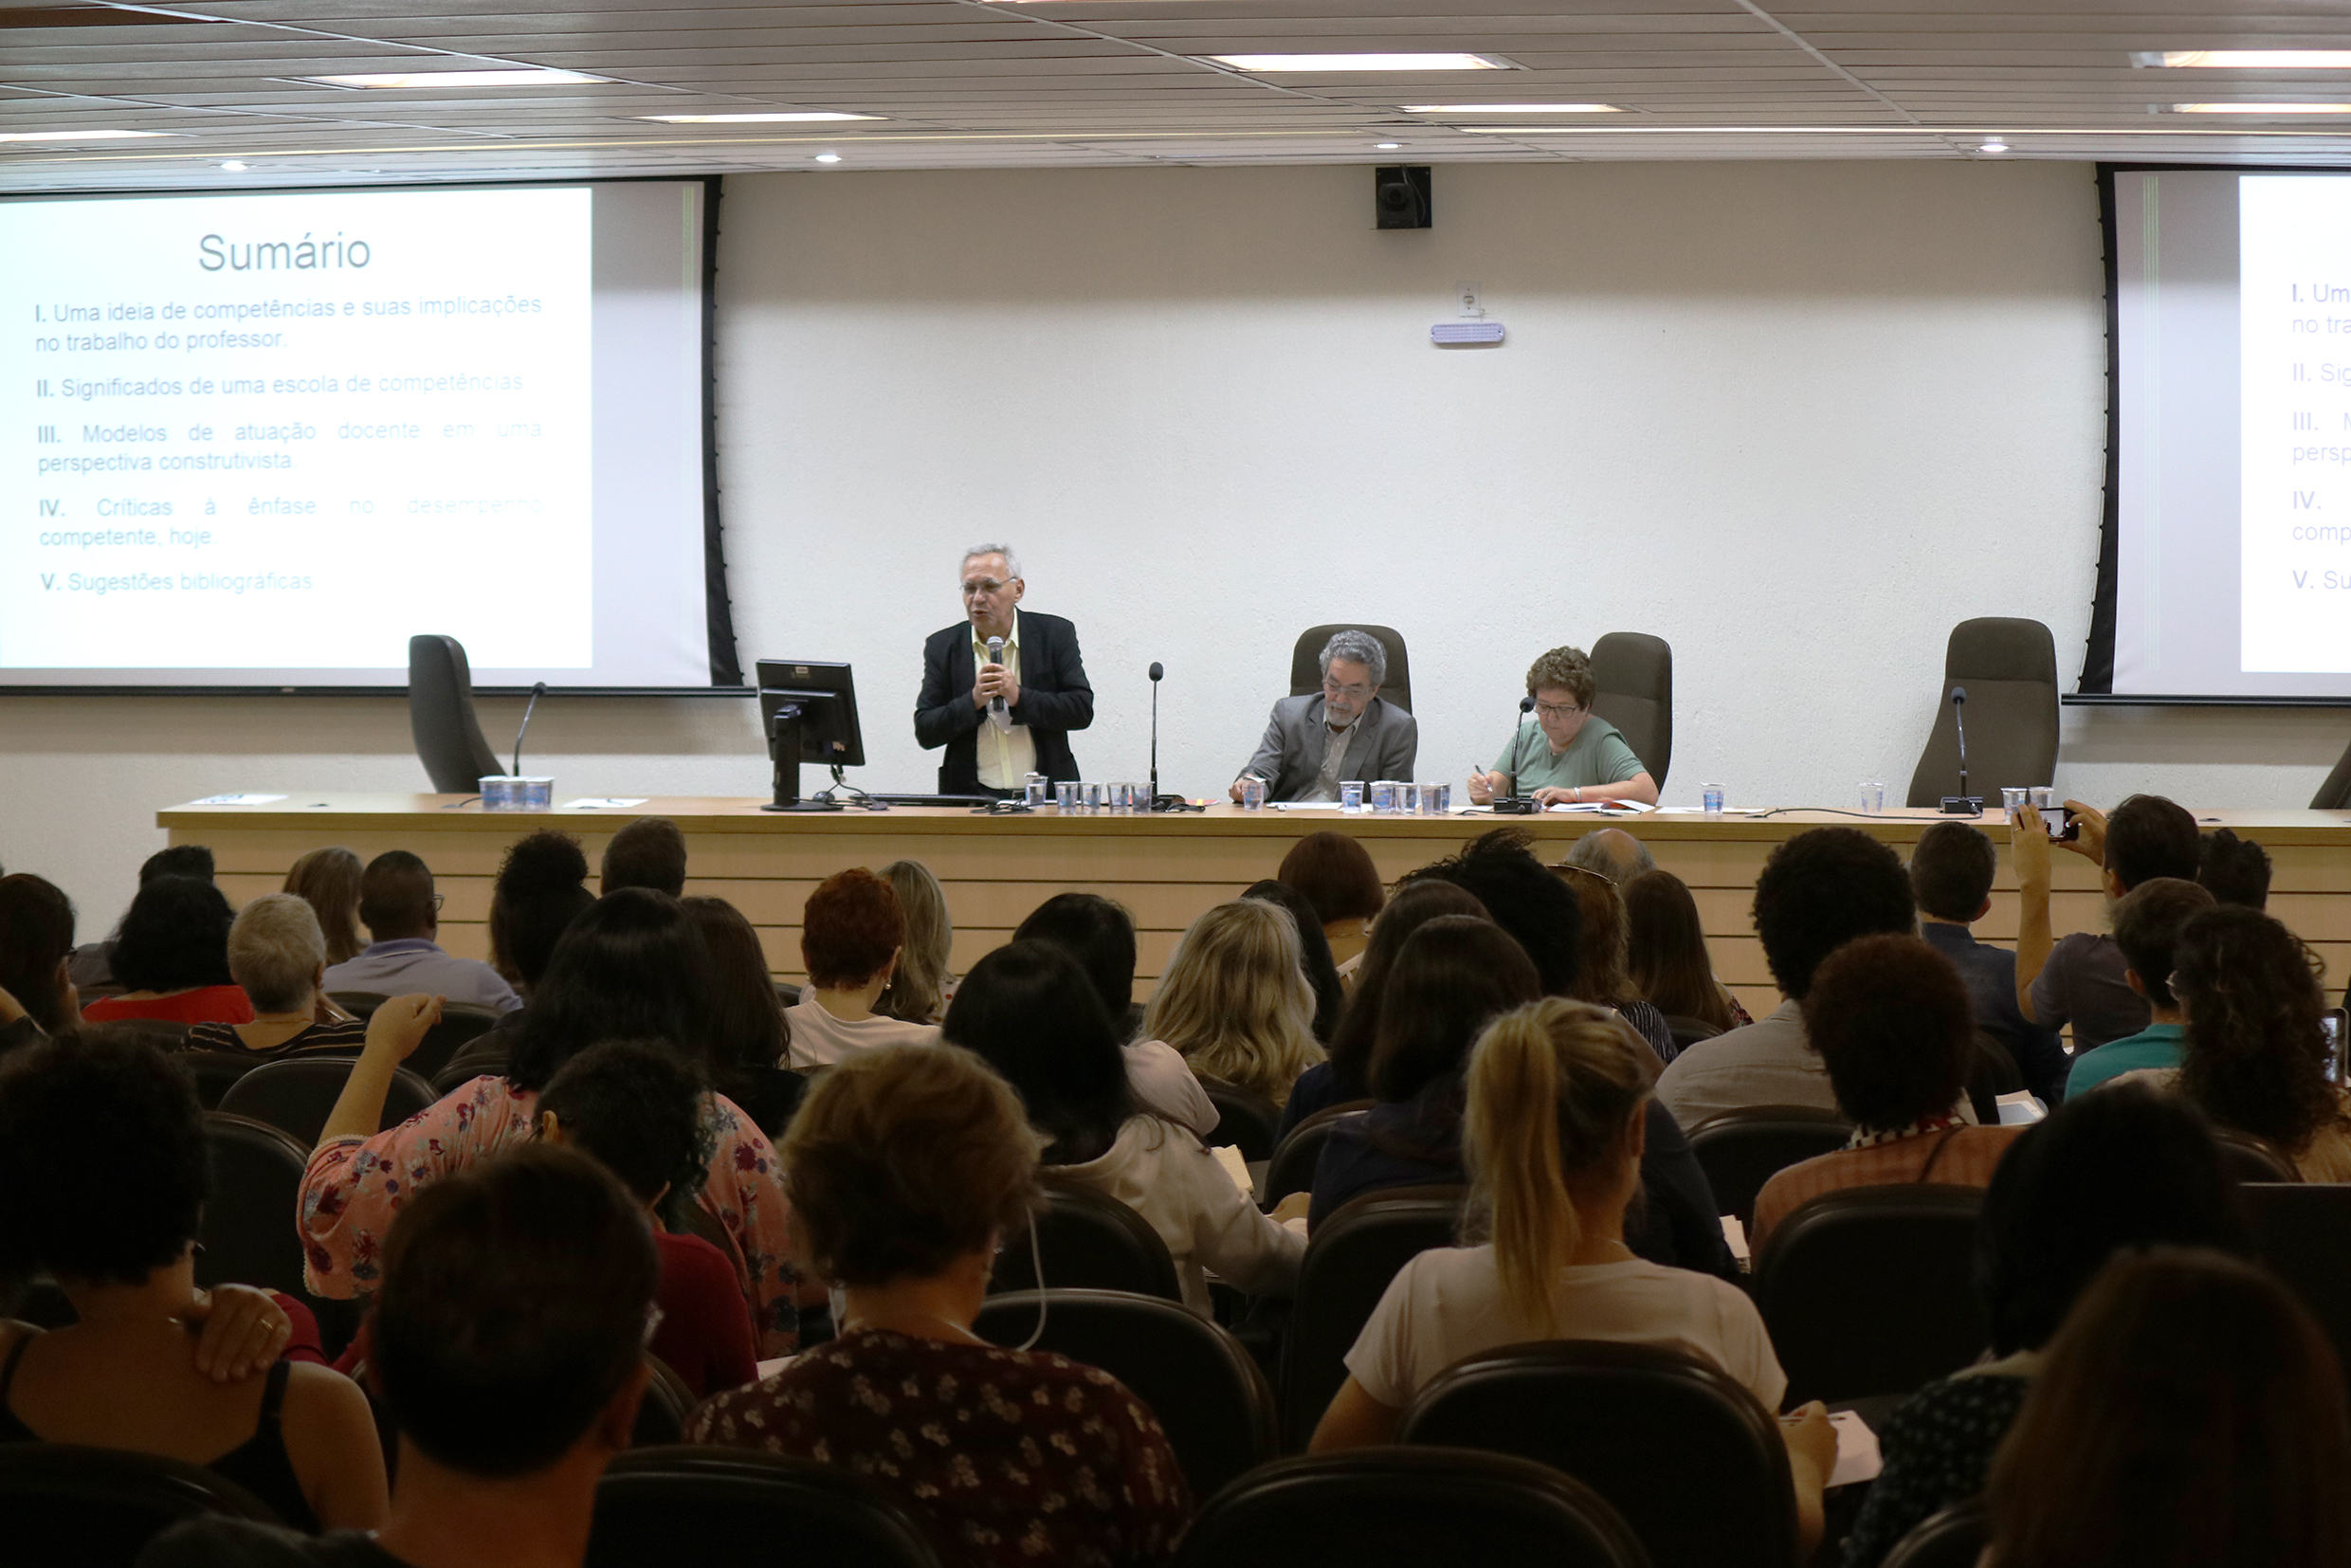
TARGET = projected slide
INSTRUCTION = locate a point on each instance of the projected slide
(283, 432)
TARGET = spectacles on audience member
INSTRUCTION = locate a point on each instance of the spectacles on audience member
(1332, 689)
(436, 901)
(983, 586)
(1557, 710)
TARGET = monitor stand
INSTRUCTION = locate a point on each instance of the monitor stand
(783, 747)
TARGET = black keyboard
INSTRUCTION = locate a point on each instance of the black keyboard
(925, 799)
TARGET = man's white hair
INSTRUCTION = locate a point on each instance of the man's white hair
(1011, 562)
(273, 949)
(1358, 647)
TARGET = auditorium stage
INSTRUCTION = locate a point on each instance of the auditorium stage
(1167, 870)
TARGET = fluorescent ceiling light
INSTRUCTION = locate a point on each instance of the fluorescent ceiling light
(1341, 63)
(78, 136)
(531, 77)
(796, 116)
(1512, 109)
(2284, 109)
(2249, 60)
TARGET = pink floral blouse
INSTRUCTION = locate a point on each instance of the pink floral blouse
(354, 1186)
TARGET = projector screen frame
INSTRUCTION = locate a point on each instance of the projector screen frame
(2095, 685)
(726, 677)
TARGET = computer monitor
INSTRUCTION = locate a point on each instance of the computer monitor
(808, 712)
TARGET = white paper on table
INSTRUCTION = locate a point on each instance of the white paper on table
(1734, 1236)
(1597, 808)
(589, 803)
(771, 1367)
(1857, 1449)
(2021, 1108)
(1700, 810)
(239, 799)
(1305, 805)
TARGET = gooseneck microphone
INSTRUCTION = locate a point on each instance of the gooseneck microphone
(1158, 670)
(539, 689)
(1516, 803)
(1962, 804)
(997, 713)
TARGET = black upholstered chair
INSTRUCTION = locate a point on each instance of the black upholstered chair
(662, 1414)
(213, 1071)
(1605, 1414)
(1350, 1260)
(1408, 1507)
(1871, 1290)
(693, 1506)
(66, 1506)
(1634, 674)
(1247, 1119)
(461, 1025)
(1088, 1242)
(1203, 1387)
(2301, 1229)
(449, 738)
(297, 1093)
(477, 1058)
(248, 1230)
(360, 1004)
(2008, 667)
(2335, 794)
(1306, 660)
(1742, 1150)
(1291, 1168)
(1688, 1032)
(1953, 1539)
(2251, 1158)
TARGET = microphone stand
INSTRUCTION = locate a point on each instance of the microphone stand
(1162, 802)
(539, 689)
(1961, 804)
(1515, 803)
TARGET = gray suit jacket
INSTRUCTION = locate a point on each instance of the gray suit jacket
(1385, 741)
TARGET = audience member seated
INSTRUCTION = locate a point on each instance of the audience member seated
(541, 888)
(637, 1107)
(1951, 875)
(403, 915)
(1235, 1002)
(1347, 1076)
(1029, 1012)
(1612, 852)
(2234, 870)
(507, 1339)
(1523, 896)
(747, 1026)
(1889, 1018)
(1600, 974)
(648, 851)
(36, 958)
(1817, 891)
(1335, 873)
(103, 1176)
(2253, 1055)
(1100, 935)
(328, 881)
(1666, 954)
(925, 975)
(2105, 1176)
(1314, 954)
(907, 1168)
(173, 955)
(851, 934)
(278, 954)
(93, 962)
(2147, 921)
(2190, 1411)
(1558, 1094)
(631, 968)
(2079, 979)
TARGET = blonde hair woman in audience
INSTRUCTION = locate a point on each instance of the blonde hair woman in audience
(277, 952)
(1559, 1099)
(852, 938)
(921, 984)
(328, 879)
(1235, 1003)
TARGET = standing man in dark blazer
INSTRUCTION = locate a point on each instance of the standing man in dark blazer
(1041, 684)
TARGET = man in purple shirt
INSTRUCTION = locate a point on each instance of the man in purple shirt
(403, 913)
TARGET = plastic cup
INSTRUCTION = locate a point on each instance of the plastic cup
(1432, 796)
(1097, 794)
(2043, 798)
(2012, 797)
(1350, 794)
(1872, 795)
(515, 791)
(1445, 795)
(1253, 793)
(1066, 794)
(1033, 788)
(1407, 798)
(1383, 795)
(1711, 798)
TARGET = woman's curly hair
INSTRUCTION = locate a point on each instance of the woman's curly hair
(2255, 1057)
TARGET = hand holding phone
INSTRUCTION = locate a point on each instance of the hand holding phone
(2064, 828)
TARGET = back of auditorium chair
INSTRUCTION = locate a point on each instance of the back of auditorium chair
(1953, 1539)
(1199, 1380)
(440, 720)
(2303, 1231)
(1688, 1032)
(246, 1231)
(1247, 1119)
(1306, 660)
(1871, 1290)
(2009, 667)
(1400, 1507)
(299, 1093)
(662, 1414)
(483, 1058)
(1634, 674)
(2251, 1158)
(360, 1004)
(1089, 1241)
(213, 1071)
(1742, 1150)
(1606, 1413)
(66, 1506)
(1350, 1260)
(1291, 1168)
(461, 1025)
(696, 1506)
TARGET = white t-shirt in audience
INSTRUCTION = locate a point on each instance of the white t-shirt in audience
(1447, 1304)
(819, 1039)
(1165, 1175)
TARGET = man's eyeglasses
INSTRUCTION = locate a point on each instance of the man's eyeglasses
(984, 586)
(437, 899)
(1557, 710)
(1332, 689)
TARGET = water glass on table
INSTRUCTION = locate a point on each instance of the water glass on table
(1253, 793)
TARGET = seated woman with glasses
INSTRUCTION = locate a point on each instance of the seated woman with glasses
(1568, 755)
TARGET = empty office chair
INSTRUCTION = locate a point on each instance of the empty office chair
(481, 1058)
(449, 738)
(1688, 1032)
(693, 1506)
(213, 1071)
(1634, 674)
(1291, 1168)
(2300, 1230)
(2008, 667)
(2251, 1158)
(299, 1093)
(1409, 1507)
(662, 1414)
(1247, 1119)
(360, 1004)
(1306, 660)
(1953, 1539)
(1742, 1150)
(1206, 1392)
(1871, 1290)
(66, 1506)
(1605, 1414)
(461, 1025)
(1091, 1242)
(2335, 794)
(1350, 1259)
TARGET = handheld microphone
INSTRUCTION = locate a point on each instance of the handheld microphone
(539, 689)
(1516, 802)
(1156, 670)
(1961, 804)
(997, 713)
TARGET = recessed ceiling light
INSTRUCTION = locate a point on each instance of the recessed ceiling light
(828, 157)
(1995, 145)
(1386, 146)
(1512, 109)
(235, 166)
(794, 116)
(531, 77)
(2247, 60)
(77, 136)
(2243, 108)
(1330, 64)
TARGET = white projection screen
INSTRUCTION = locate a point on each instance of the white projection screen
(257, 441)
(2227, 575)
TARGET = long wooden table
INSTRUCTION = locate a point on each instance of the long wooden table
(1167, 870)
